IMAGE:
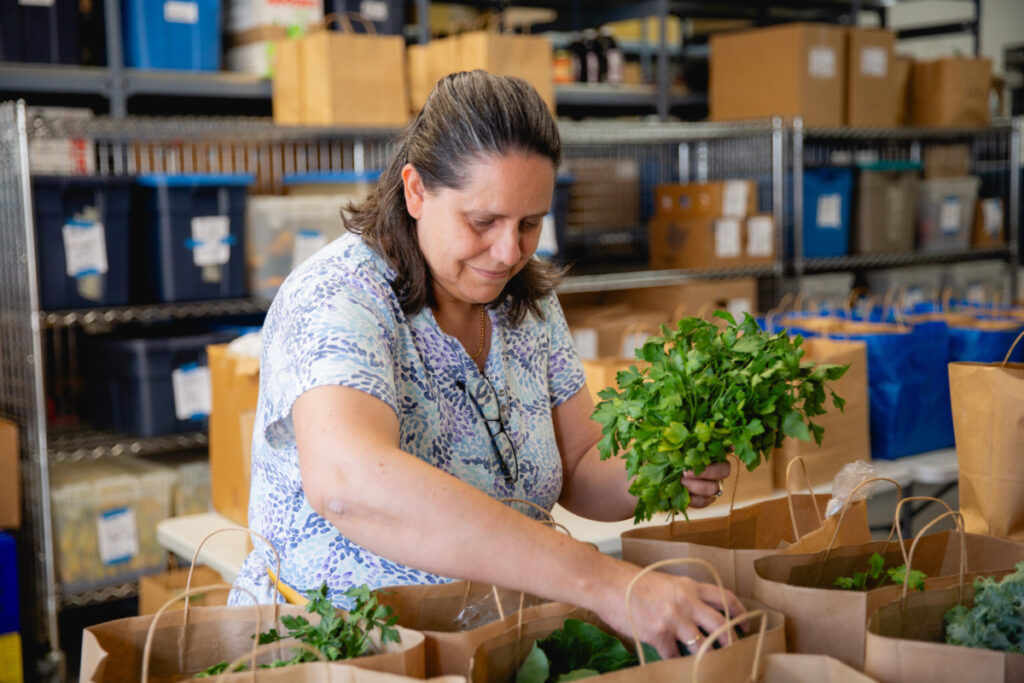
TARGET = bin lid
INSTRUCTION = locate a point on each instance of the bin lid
(332, 177)
(196, 179)
(890, 166)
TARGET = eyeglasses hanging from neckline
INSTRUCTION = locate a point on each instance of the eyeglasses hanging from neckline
(484, 397)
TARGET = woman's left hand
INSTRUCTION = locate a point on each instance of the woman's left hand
(707, 486)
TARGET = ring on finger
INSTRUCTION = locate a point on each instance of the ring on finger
(719, 493)
(692, 641)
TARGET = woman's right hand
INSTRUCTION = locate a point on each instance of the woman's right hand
(668, 608)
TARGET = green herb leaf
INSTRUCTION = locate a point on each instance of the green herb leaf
(996, 620)
(705, 393)
(535, 667)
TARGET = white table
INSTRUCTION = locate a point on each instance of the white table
(226, 552)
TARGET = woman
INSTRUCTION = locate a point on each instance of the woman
(421, 368)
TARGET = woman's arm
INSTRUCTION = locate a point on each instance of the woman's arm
(402, 508)
(598, 489)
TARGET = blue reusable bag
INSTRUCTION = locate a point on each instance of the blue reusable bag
(981, 345)
(908, 389)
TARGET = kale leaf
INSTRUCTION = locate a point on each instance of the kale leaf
(997, 620)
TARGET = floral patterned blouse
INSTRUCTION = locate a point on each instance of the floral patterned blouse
(336, 321)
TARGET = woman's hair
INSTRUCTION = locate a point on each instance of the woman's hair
(468, 115)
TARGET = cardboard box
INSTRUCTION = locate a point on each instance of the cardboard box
(700, 242)
(605, 193)
(871, 98)
(735, 198)
(794, 69)
(737, 296)
(952, 91)
(947, 161)
(886, 211)
(157, 589)
(902, 69)
(988, 228)
(235, 381)
(10, 482)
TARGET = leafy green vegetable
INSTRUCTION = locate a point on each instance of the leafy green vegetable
(706, 393)
(334, 635)
(997, 620)
(577, 650)
(877, 574)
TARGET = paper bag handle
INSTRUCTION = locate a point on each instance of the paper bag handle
(786, 300)
(851, 299)
(728, 625)
(148, 647)
(195, 556)
(958, 517)
(896, 517)
(251, 657)
(789, 495)
(344, 20)
(846, 506)
(1006, 358)
(650, 568)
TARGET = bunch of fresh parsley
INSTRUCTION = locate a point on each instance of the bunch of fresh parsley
(577, 650)
(705, 393)
(335, 635)
(996, 622)
(877, 574)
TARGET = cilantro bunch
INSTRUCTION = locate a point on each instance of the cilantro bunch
(705, 393)
(877, 574)
(996, 622)
(336, 635)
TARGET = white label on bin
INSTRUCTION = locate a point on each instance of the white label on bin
(37, 3)
(735, 197)
(821, 62)
(976, 293)
(374, 10)
(631, 343)
(192, 395)
(547, 244)
(85, 248)
(874, 62)
(211, 240)
(738, 307)
(949, 216)
(759, 236)
(992, 216)
(727, 238)
(179, 12)
(307, 243)
(830, 211)
(585, 340)
(118, 538)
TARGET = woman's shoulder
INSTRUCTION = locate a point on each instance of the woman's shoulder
(347, 267)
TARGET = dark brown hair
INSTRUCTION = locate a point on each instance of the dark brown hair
(467, 115)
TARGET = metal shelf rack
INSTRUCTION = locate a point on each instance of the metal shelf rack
(773, 152)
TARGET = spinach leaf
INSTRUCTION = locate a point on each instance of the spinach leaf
(577, 650)
(704, 393)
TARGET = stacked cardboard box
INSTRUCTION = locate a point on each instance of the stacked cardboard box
(710, 225)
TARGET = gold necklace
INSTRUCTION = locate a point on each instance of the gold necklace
(483, 334)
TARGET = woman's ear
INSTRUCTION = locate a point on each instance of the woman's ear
(414, 191)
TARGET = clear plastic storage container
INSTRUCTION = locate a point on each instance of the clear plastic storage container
(282, 232)
(105, 514)
(945, 212)
(192, 490)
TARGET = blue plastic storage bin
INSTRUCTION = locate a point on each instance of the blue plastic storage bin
(39, 33)
(828, 192)
(190, 232)
(172, 34)
(9, 612)
(70, 208)
(131, 377)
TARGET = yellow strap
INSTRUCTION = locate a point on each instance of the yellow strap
(289, 593)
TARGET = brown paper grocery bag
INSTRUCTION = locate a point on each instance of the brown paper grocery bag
(156, 589)
(498, 659)
(185, 642)
(847, 437)
(906, 643)
(790, 668)
(731, 543)
(454, 618)
(821, 619)
(988, 421)
(286, 86)
(352, 79)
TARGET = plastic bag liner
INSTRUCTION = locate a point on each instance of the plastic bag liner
(846, 482)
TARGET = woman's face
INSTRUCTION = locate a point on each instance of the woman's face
(476, 238)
